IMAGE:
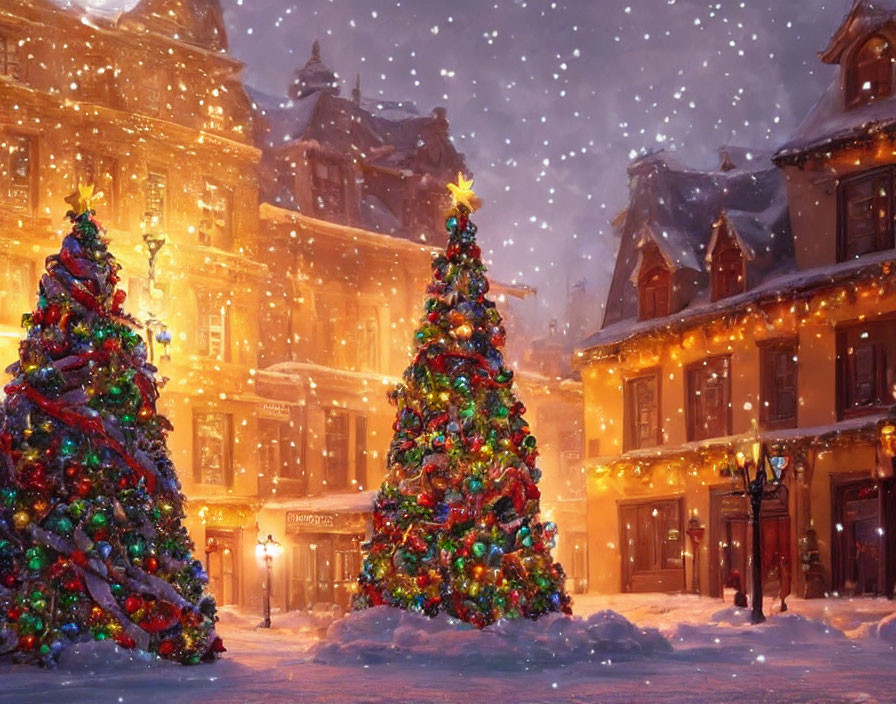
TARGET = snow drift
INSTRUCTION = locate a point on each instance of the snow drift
(387, 635)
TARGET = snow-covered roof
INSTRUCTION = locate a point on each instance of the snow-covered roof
(830, 123)
(673, 244)
(684, 202)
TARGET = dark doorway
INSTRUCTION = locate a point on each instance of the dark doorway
(731, 544)
(862, 545)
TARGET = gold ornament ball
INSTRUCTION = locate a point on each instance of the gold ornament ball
(463, 332)
(21, 520)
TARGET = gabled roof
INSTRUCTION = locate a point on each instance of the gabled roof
(758, 235)
(668, 196)
(199, 22)
(673, 245)
(725, 223)
(864, 17)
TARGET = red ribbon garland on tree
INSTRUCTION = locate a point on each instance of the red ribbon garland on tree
(92, 426)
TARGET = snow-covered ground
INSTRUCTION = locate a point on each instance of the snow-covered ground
(680, 649)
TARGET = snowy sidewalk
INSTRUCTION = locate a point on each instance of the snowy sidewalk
(834, 651)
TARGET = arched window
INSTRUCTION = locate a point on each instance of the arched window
(654, 293)
(871, 73)
(728, 272)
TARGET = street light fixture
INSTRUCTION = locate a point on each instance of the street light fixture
(762, 474)
(155, 328)
(267, 550)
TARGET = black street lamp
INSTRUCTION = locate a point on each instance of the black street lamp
(762, 476)
(267, 550)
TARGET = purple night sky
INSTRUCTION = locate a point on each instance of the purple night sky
(550, 100)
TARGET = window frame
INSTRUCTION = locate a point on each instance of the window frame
(209, 235)
(721, 270)
(10, 60)
(768, 382)
(631, 440)
(29, 187)
(846, 384)
(162, 224)
(855, 96)
(885, 241)
(690, 396)
(645, 313)
(227, 457)
(206, 302)
(323, 187)
(354, 450)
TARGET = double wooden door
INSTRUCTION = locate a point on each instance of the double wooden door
(653, 546)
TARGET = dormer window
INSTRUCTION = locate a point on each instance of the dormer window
(870, 74)
(328, 185)
(728, 270)
(654, 292)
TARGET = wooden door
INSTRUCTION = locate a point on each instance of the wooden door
(222, 552)
(859, 538)
(652, 542)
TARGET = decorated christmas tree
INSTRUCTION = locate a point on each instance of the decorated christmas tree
(92, 544)
(455, 523)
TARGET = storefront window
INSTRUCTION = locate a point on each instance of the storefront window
(336, 461)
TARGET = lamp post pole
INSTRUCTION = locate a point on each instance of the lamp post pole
(756, 491)
(267, 549)
(695, 533)
(154, 242)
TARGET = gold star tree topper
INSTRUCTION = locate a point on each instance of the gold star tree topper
(462, 195)
(82, 199)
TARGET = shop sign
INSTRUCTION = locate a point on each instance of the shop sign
(296, 520)
(274, 410)
(330, 521)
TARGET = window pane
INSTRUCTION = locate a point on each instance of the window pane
(336, 463)
(215, 223)
(709, 391)
(156, 188)
(212, 327)
(212, 439)
(642, 409)
(867, 215)
(867, 366)
(778, 383)
(18, 169)
(361, 451)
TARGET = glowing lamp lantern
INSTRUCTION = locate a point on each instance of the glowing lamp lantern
(888, 439)
(266, 550)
